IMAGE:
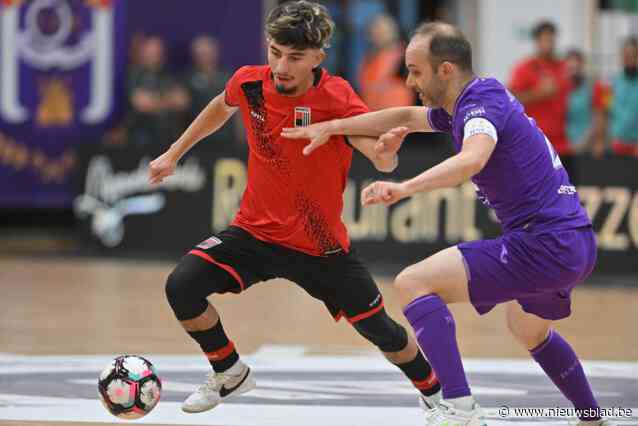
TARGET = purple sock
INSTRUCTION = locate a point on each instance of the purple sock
(436, 333)
(560, 363)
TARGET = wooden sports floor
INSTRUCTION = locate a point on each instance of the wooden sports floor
(81, 307)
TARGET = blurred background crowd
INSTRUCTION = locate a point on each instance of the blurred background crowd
(82, 80)
(581, 109)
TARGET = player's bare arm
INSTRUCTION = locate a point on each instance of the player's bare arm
(216, 113)
(382, 152)
(372, 124)
(476, 151)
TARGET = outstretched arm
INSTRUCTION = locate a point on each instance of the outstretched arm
(216, 113)
(455, 170)
(371, 124)
(378, 122)
(382, 152)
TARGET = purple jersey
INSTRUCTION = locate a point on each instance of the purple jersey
(524, 180)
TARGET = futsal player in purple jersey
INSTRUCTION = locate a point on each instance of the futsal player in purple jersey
(547, 247)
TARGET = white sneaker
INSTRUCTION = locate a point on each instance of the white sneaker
(217, 388)
(429, 403)
(446, 414)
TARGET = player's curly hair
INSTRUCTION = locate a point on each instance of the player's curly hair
(300, 25)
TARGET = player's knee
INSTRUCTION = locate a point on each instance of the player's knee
(186, 304)
(526, 336)
(172, 287)
(383, 332)
(409, 284)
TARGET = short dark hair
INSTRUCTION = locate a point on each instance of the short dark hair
(300, 25)
(447, 44)
(543, 27)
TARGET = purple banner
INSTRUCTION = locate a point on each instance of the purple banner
(63, 72)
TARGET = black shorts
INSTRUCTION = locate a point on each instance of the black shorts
(340, 281)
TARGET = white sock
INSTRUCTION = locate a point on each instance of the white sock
(236, 369)
(436, 397)
(465, 403)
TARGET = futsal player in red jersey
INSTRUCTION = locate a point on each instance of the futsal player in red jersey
(289, 222)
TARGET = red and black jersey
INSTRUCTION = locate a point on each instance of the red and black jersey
(291, 199)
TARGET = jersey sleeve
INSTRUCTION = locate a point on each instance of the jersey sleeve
(479, 126)
(439, 120)
(233, 86)
(353, 104)
(481, 114)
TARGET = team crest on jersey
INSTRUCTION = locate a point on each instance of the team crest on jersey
(302, 116)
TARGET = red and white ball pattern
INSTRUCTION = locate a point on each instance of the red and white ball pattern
(129, 387)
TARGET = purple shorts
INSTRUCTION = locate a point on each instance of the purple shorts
(539, 270)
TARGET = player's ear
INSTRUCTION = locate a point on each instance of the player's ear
(446, 69)
(320, 57)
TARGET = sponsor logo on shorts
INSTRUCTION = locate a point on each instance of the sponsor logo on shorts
(504, 254)
(330, 252)
(211, 242)
(375, 301)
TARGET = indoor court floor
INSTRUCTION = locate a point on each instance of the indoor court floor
(62, 320)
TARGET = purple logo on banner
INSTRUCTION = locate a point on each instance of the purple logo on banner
(61, 62)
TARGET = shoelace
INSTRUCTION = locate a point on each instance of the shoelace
(214, 381)
(441, 413)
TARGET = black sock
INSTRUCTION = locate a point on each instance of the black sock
(218, 349)
(420, 372)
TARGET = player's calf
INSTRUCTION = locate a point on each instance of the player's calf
(528, 329)
(401, 350)
(186, 291)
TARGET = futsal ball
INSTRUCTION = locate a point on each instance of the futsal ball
(129, 387)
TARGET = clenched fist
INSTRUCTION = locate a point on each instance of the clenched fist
(381, 192)
(162, 167)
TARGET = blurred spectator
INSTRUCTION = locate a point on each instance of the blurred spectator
(359, 15)
(205, 80)
(623, 117)
(156, 100)
(379, 76)
(586, 108)
(135, 49)
(540, 83)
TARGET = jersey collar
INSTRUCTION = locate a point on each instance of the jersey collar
(463, 92)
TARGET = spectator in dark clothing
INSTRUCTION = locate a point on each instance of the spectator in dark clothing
(157, 101)
(205, 80)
